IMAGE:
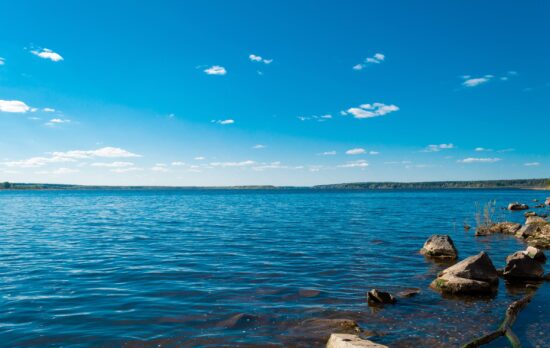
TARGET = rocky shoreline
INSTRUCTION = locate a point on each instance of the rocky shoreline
(475, 276)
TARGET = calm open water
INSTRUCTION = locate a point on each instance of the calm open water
(171, 268)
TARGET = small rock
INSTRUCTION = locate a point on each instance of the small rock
(534, 220)
(409, 292)
(535, 253)
(521, 266)
(500, 227)
(547, 202)
(467, 227)
(351, 341)
(473, 275)
(380, 297)
(308, 292)
(439, 246)
(325, 327)
(530, 213)
(539, 206)
(517, 206)
(238, 321)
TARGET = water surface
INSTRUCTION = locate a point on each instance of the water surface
(173, 268)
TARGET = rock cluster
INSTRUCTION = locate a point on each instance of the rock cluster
(500, 227)
(473, 275)
(439, 246)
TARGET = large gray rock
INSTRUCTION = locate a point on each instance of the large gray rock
(351, 341)
(439, 246)
(521, 266)
(535, 253)
(500, 227)
(517, 206)
(473, 275)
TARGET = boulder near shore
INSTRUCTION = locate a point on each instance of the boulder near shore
(517, 206)
(351, 341)
(439, 246)
(473, 275)
(521, 266)
(536, 254)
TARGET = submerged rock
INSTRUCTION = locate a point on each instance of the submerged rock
(351, 341)
(520, 266)
(380, 297)
(500, 227)
(517, 206)
(473, 275)
(409, 292)
(439, 246)
(535, 253)
(238, 321)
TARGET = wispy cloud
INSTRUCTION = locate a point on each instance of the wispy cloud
(532, 164)
(258, 146)
(48, 110)
(256, 58)
(355, 164)
(199, 158)
(178, 164)
(112, 164)
(2, 61)
(159, 167)
(437, 148)
(479, 160)
(233, 164)
(215, 70)
(476, 81)
(14, 106)
(321, 118)
(56, 121)
(328, 153)
(224, 122)
(46, 53)
(370, 110)
(356, 151)
(376, 59)
(482, 149)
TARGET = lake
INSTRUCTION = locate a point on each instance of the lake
(173, 268)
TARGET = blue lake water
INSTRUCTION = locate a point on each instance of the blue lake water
(171, 268)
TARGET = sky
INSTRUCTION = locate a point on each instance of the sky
(273, 92)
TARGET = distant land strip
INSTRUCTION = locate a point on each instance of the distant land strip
(532, 184)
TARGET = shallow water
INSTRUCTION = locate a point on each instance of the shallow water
(171, 268)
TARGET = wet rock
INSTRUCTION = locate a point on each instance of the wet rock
(530, 213)
(539, 206)
(351, 341)
(500, 227)
(521, 266)
(535, 253)
(546, 277)
(308, 292)
(467, 227)
(528, 230)
(547, 202)
(473, 275)
(238, 321)
(517, 206)
(534, 220)
(380, 297)
(408, 292)
(439, 246)
(319, 327)
(538, 235)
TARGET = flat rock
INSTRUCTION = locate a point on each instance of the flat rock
(475, 274)
(519, 265)
(534, 220)
(351, 341)
(530, 213)
(517, 206)
(380, 297)
(439, 246)
(536, 254)
(408, 292)
(500, 227)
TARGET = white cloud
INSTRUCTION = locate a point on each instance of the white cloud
(437, 148)
(107, 152)
(479, 160)
(259, 146)
(48, 110)
(374, 153)
(34, 162)
(482, 149)
(178, 164)
(376, 59)
(356, 151)
(224, 122)
(371, 110)
(532, 164)
(216, 70)
(272, 165)
(60, 171)
(126, 170)
(199, 158)
(233, 164)
(2, 61)
(48, 54)
(398, 162)
(112, 164)
(159, 167)
(15, 106)
(256, 58)
(56, 121)
(355, 164)
(328, 153)
(475, 81)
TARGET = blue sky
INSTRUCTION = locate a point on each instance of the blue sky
(273, 92)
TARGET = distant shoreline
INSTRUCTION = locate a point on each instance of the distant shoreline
(524, 184)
